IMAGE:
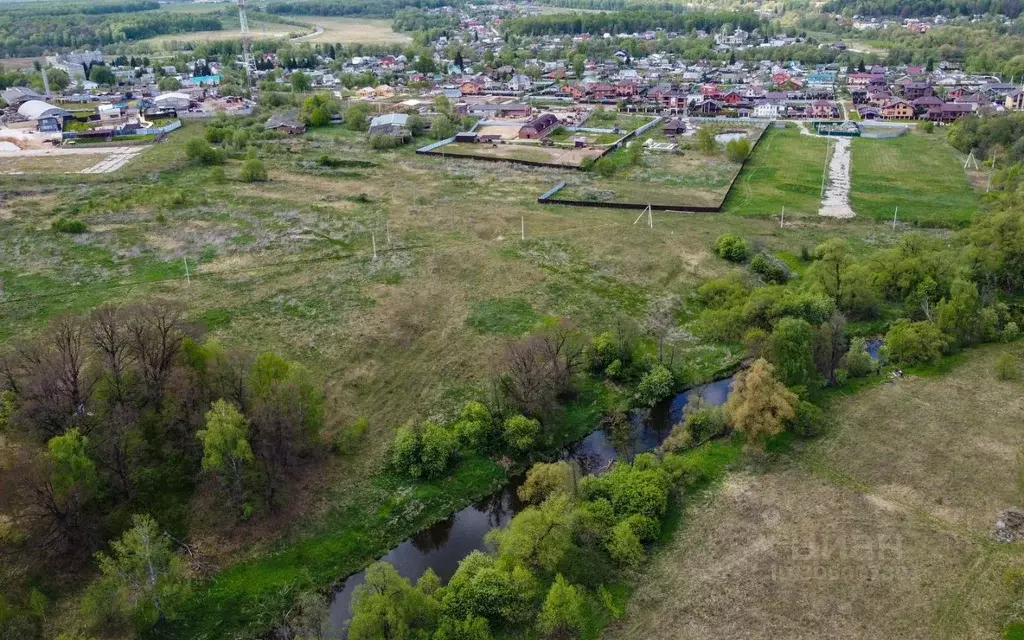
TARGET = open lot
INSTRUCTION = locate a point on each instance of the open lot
(784, 171)
(881, 529)
(666, 179)
(561, 156)
(78, 159)
(351, 31)
(917, 172)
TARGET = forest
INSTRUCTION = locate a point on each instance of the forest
(630, 21)
(33, 32)
(366, 8)
(923, 8)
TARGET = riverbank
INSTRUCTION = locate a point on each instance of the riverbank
(881, 528)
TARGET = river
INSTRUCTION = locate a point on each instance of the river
(442, 546)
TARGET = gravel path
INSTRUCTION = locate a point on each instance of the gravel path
(837, 195)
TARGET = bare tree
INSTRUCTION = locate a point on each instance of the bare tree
(538, 369)
(157, 331)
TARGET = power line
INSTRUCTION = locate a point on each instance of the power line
(342, 258)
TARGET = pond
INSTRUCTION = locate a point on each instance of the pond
(725, 138)
(442, 546)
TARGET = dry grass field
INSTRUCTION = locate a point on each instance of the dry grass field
(881, 529)
(565, 157)
(352, 31)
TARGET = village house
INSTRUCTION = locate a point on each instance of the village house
(1015, 101)
(897, 110)
(286, 123)
(538, 127)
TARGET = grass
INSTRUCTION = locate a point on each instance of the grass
(352, 30)
(917, 172)
(287, 266)
(49, 164)
(527, 153)
(784, 170)
(878, 530)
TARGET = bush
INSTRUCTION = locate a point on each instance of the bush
(476, 428)
(731, 247)
(564, 611)
(521, 433)
(438, 450)
(738, 150)
(769, 269)
(858, 360)
(1006, 367)
(349, 437)
(656, 385)
(1010, 332)
(703, 420)
(405, 452)
(253, 171)
(383, 142)
(928, 126)
(624, 545)
(198, 151)
(809, 422)
(647, 529)
(67, 225)
(912, 343)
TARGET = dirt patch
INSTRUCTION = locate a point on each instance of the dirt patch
(836, 203)
(1010, 526)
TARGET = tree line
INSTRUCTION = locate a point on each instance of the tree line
(368, 8)
(923, 8)
(121, 416)
(35, 34)
(630, 21)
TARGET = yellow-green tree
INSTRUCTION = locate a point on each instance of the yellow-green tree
(759, 405)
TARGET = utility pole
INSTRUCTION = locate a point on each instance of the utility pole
(522, 228)
(782, 221)
(894, 218)
(248, 61)
(373, 239)
(188, 278)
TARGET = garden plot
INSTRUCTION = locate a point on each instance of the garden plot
(532, 153)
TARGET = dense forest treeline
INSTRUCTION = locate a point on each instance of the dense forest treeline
(367, 8)
(63, 8)
(34, 34)
(631, 21)
(924, 8)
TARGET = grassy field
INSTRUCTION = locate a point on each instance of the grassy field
(561, 156)
(49, 164)
(881, 529)
(919, 173)
(352, 31)
(260, 30)
(667, 179)
(286, 266)
(784, 171)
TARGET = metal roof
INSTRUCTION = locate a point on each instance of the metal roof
(35, 109)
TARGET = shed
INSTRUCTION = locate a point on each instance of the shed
(287, 122)
(172, 100)
(16, 96)
(467, 136)
(391, 124)
(37, 109)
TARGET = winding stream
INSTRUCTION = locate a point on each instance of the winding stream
(442, 546)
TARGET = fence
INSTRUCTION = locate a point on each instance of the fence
(548, 197)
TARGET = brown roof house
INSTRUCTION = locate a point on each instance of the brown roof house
(539, 127)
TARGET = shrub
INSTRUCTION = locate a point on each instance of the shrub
(809, 422)
(67, 225)
(198, 151)
(703, 420)
(912, 343)
(858, 360)
(383, 142)
(563, 614)
(928, 126)
(521, 433)
(654, 386)
(547, 478)
(678, 439)
(770, 271)
(405, 452)
(476, 428)
(349, 437)
(738, 150)
(647, 529)
(253, 171)
(1010, 332)
(624, 546)
(438, 449)
(1006, 367)
(731, 247)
